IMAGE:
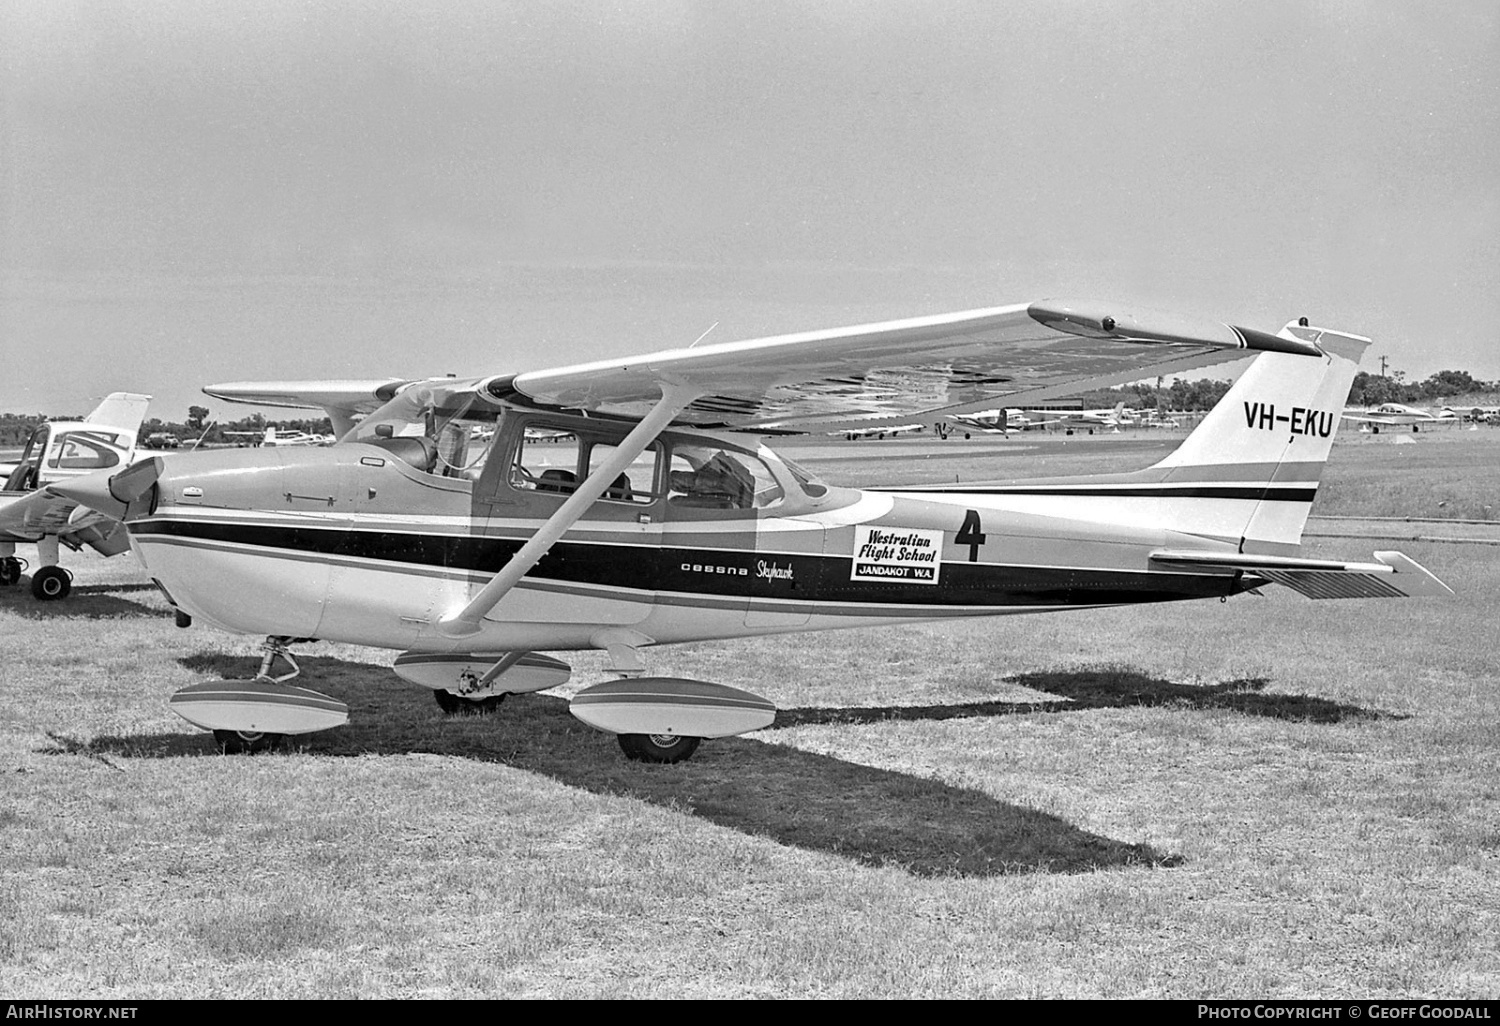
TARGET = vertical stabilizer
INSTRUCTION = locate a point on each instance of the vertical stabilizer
(1263, 447)
(124, 410)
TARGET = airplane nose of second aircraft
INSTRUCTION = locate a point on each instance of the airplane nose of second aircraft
(114, 494)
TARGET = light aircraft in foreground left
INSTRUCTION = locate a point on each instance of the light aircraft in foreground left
(31, 510)
(439, 526)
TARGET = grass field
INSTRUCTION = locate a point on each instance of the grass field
(1264, 797)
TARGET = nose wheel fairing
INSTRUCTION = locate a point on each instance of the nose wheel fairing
(252, 707)
(251, 715)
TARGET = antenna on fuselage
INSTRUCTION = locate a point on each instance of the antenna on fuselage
(703, 336)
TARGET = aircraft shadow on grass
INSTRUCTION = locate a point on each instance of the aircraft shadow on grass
(1105, 688)
(816, 802)
(85, 602)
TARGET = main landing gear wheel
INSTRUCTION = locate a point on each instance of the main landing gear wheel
(658, 747)
(458, 705)
(51, 583)
(247, 742)
(10, 570)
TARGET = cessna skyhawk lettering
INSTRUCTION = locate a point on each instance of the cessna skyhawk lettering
(442, 525)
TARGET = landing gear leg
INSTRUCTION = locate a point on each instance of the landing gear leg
(461, 704)
(278, 645)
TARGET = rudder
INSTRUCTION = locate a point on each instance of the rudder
(1270, 436)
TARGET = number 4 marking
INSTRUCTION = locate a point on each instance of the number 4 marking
(970, 535)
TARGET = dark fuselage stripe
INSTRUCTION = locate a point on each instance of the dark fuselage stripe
(745, 577)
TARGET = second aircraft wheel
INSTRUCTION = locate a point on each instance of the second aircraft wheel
(51, 583)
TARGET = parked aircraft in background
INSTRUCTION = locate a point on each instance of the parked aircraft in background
(1027, 420)
(894, 431)
(1115, 417)
(1397, 415)
(279, 436)
(1002, 421)
(32, 511)
(273, 437)
(654, 525)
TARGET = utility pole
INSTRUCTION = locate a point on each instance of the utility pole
(1382, 366)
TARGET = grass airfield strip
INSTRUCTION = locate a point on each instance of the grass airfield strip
(1266, 796)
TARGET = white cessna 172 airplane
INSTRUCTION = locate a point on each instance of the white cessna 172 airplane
(440, 527)
(32, 511)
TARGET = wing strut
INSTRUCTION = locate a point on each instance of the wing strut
(464, 622)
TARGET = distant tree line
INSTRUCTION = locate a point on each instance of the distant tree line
(1185, 396)
(1367, 390)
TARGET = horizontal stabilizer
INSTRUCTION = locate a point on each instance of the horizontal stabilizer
(1394, 576)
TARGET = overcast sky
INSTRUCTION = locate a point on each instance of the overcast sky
(199, 192)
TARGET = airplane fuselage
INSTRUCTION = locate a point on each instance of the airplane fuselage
(358, 544)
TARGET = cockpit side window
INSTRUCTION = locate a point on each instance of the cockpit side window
(708, 477)
(546, 460)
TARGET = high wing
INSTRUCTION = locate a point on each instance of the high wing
(925, 368)
(342, 400)
(921, 369)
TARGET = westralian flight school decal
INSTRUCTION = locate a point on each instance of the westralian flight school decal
(901, 555)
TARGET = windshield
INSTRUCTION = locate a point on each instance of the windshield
(452, 426)
(811, 484)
